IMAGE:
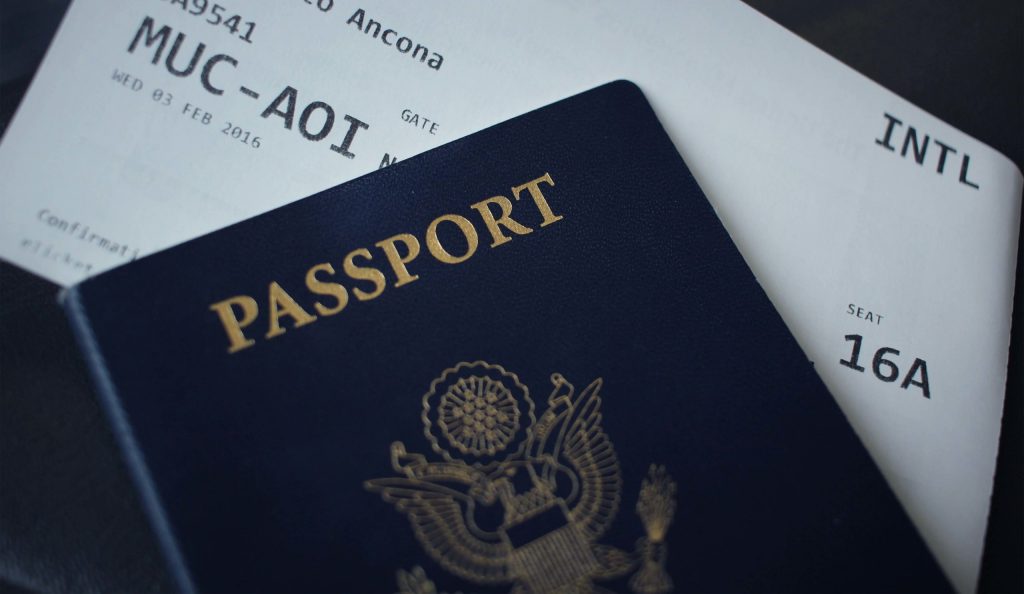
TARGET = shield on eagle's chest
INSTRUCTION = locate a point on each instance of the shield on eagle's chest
(554, 561)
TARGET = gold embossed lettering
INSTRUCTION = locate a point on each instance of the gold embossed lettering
(232, 325)
(319, 287)
(505, 220)
(328, 297)
(282, 304)
(538, 198)
(438, 251)
(397, 261)
(368, 273)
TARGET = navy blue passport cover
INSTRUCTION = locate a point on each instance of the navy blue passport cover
(528, 360)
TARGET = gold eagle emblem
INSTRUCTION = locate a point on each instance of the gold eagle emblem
(521, 500)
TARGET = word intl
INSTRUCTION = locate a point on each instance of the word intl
(919, 146)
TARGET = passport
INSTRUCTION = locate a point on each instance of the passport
(530, 360)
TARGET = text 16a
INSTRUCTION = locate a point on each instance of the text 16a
(886, 369)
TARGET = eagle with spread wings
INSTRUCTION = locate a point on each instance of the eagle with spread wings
(531, 519)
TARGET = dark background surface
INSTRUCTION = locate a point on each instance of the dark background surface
(69, 519)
